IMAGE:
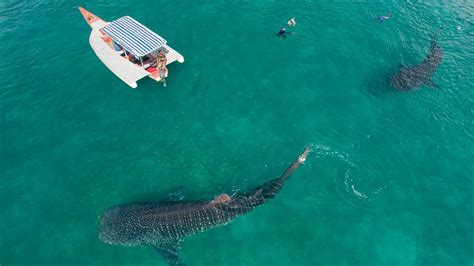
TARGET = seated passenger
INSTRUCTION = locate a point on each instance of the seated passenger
(132, 58)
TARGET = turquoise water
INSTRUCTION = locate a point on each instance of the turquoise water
(390, 180)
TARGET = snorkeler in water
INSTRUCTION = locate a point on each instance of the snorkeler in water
(383, 18)
(283, 32)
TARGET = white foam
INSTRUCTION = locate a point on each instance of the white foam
(358, 193)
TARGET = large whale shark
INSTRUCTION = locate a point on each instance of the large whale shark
(411, 77)
(164, 225)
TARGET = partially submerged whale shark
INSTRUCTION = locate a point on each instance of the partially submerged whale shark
(411, 77)
(164, 225)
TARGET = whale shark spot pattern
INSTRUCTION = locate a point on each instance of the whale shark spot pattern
(165, 224)
(408, 78)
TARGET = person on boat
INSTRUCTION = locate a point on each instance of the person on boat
(383, 18)
(132, 58)
(161, 65)
(291, 22)
(283, 32)
(161, 60)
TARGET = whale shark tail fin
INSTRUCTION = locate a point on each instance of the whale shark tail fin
(435, 39)
(170, 250)
(439, 31)
(268, 190)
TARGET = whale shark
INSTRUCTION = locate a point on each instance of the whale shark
(411, 77)
(164, 225)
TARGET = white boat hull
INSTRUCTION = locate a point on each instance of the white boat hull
(127, 71)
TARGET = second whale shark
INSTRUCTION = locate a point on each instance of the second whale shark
(164, 225)
(411, 77)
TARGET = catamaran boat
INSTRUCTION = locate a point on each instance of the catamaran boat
(129, 49)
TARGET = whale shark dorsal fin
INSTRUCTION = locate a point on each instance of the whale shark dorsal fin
(430, 83)
(221, 198)
(170, 250)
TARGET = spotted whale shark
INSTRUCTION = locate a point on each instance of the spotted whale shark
(164, 225)
(411, 77)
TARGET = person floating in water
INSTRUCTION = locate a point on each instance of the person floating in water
(383, 18)
(283, 32)
(291, 22)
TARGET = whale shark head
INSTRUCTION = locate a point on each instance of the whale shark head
(405, 79)
(110, 228)
(118, 227)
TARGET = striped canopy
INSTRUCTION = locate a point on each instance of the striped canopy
(133, 36)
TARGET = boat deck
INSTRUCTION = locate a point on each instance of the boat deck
(129, 72)
(124, 69)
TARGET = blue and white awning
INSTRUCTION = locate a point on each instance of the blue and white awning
(133, 36)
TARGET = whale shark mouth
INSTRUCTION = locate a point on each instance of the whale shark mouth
(397, 83)
(110, 228)
(105, 232)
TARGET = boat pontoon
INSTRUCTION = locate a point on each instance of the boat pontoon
(129, 49)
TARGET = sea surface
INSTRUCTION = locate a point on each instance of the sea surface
(390, 180)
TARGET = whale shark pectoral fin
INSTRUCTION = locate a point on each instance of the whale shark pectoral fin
(170, 250)
(403, 66)
(430, 83)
